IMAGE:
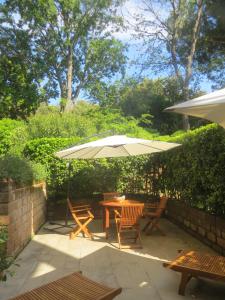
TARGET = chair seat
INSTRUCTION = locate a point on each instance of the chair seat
(71, 287)
(82, 217)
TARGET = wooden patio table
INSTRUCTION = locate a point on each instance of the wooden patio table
(113, 204)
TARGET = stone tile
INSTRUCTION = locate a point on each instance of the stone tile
(139, 272)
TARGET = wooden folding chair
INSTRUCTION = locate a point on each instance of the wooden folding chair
(71, 287)
(128, 222)
(154, 212)
(82, 217)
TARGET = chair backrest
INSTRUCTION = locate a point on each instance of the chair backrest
(131, 214)
(110, 196)
(162, 205)
(78, 208)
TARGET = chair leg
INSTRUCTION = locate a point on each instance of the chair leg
(89, 234)
(146, 225)
(118, 235)
(138, 238)
(119, 240)
(75, 232)
(81, 227)
(85, 229)
(154, 225)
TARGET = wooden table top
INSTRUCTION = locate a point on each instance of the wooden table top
(117, 203)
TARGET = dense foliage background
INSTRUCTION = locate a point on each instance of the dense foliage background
(193, 172)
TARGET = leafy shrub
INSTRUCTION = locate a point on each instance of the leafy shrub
(86, 120)
(13, 136)
(20, 170)
(42, 151)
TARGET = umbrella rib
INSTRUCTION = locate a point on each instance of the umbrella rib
(88, 152)
(98, 152)
(76, 151)
(126, 150)
(149, 146)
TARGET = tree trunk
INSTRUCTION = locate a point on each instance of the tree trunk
(69, 104)
(188, 72)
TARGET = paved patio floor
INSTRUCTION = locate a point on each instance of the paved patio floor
(51, 255)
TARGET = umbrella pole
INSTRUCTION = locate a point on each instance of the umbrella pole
(68, 193)
(67, 208)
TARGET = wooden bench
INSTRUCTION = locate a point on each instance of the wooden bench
(71, 287)
(196, 264)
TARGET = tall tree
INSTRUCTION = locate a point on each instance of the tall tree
(170, 30)
(20, 93)
(70, 41)
(145, 100)
(211, 45)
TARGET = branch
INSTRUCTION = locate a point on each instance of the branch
(193, 44)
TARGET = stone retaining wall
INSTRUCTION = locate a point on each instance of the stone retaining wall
(208, 228)
(26, 211)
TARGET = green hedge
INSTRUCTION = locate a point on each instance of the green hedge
(194, 172)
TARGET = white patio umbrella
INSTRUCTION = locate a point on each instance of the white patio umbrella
(112, 146)
(115, 146)
(210, 107)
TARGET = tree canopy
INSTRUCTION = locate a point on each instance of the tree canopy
(68, 41)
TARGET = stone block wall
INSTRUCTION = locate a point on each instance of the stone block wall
(26, 211)
(210, 229)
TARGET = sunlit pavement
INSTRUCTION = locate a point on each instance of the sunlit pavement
(51, 255)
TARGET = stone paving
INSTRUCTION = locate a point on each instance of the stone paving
(51, 255)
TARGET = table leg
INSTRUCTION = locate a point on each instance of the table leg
(106, 222)
(103, 218)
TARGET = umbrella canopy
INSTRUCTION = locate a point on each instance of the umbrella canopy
(115, 146)
(210, 107)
